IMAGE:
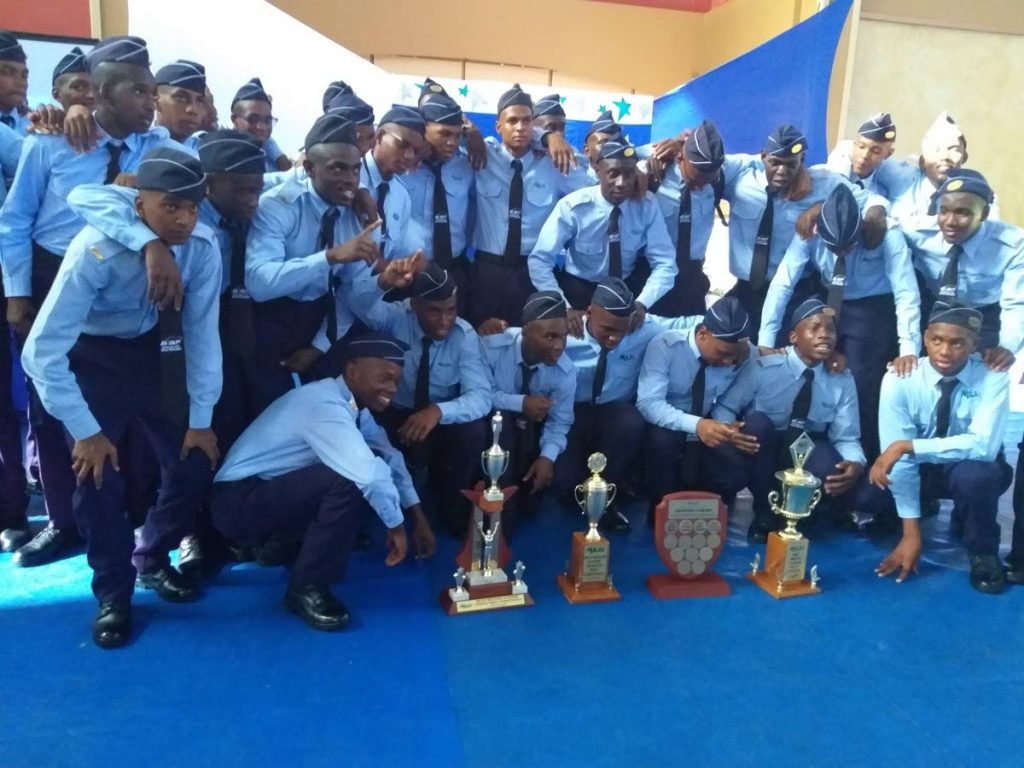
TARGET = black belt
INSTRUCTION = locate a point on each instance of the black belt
(500, 260)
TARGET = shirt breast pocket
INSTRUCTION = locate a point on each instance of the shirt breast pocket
(749, 209)
(489, 186)
(590, 249)
(540, 195)
(444, 381)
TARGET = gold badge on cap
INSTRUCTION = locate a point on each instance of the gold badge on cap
(796, 148)
(435, 88)
(629, 152)
(890, 134)
(954, 185)
(974, 322)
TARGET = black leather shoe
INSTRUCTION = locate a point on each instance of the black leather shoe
(882, 525)
(46, 546)
(1015, 569)
(987, 574)
(190, 557)
(613, 521)
(13, 538)
(170, 585)
(758, 531)
(316, 606)
(113, 624)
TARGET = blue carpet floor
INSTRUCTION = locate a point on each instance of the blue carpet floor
(871, 673)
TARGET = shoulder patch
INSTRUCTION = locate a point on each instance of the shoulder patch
(771, 361)
(497, 340)
(580, 197)
(1010, 235)
(565, 363)
(673, 338)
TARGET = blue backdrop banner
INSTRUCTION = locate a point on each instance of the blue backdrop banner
(785, 80)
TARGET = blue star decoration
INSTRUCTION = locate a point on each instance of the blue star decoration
(601, 108)
(420, 85)
(623, 106)
(464, 90)
(562, 99)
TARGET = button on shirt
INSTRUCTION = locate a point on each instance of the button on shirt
(991, 270)
(665, 393)
(459, 384)
(101, 290)
(36, 208)
(624, 361)
(748, 199)
(906, 411)
(770, 385)
(320, 423)
(397, 210)
(578, 227)
(457, 176)
(543, 186)
(882, 270)
(503, 353)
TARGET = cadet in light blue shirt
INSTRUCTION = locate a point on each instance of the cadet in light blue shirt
(777, 398)
(14, 76)
(857, 160)
(942, 426)
(680, 368)
(533, 383)
(515, 194)
(100, 365)
(181, 100)
(252, 113)
(437, 414)
(315, 462)
(602, 232)
(873, 293)
(967, 258)
(305, 245)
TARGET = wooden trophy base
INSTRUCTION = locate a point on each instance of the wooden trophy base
(664, 586)
(587, 579)
(784, 567)
(486, 597)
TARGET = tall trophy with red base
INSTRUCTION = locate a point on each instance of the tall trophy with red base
(481, 583)
(786, 556)
(587, 578)
(689, 534)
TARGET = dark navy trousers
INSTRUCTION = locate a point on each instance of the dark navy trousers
(663, 454)
(615, 429)
(314, 505)
(498, 289)
(13, 500)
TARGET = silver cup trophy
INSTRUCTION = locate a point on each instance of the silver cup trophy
(801, 491)
(494, 462)
(595, 494)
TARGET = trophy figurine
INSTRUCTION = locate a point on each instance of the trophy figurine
(481, 583)
(689, 535)
(785, 562)
(587, 578)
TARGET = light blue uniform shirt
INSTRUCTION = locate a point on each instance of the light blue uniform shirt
(503, 353)
(320, 423)
(748, 199)
(623, 367)
(770, 385)
(882, 270)
(397, 210)
(457, 177)
(101, 290)
(11, 143)
(906, 411)
(21, 122)
(36, 208)
(578, 227)
(670, 365)
(991, 270)
(272, 152)
(910, 191)
(543, 186)
(459, 385)
(840, 161)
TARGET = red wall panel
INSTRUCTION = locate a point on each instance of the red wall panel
(63, 18)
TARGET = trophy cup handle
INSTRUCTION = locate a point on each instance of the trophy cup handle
(814, 500)
(611, 494)
(773, 501)
(578, 492)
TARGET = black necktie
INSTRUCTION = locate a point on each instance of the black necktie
(241, 335)
(691, 451)
(599, 375)
(330, 218)
(114, 164)
(683, 233)
(421, 398)
(614, 243)
(798, 415)
(514, 242)
(858, 181)
(7, 120)
(382, 195)
(838, 283)
(526, 429)
(173, 386)
(951, 275)
(763, 244)
(442, 229)
(947, 385)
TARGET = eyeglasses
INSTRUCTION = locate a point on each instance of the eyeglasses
(257, 120)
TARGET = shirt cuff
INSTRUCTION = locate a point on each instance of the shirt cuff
(17, 286)
(550, 451)
(200, 416)
(82, 425)
(447, 417)
(926, 448)
(909, 348)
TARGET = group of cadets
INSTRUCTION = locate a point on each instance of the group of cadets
(242, 357)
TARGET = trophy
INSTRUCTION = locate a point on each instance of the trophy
(689, 534)
(481, 583)
(785, 560)
(586, 578)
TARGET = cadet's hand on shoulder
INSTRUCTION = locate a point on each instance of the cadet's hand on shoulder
(575, 318)
(655, 171)
(743, 442)
(807, 224)
(561, 152)
(80, 129)
(89, 455)
(419, 425)
(904, 558)
(638, 316)
(365, 206)
(875, 224)
(844, 479)
(542, 473)
(300, 360)
(476, 148)
(423, 539)
(667, 150)
(492, 326)
(714, 433)
(904, 365)
(398, 545)
(536, 407)
(765, 351)
(998, 359)
(20, 314)
(836, 363)
(640, 186)
(359, 248)
(163, 276)
(46, 119)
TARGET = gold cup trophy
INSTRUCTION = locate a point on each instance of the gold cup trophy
(587, 578)
(786, 555)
